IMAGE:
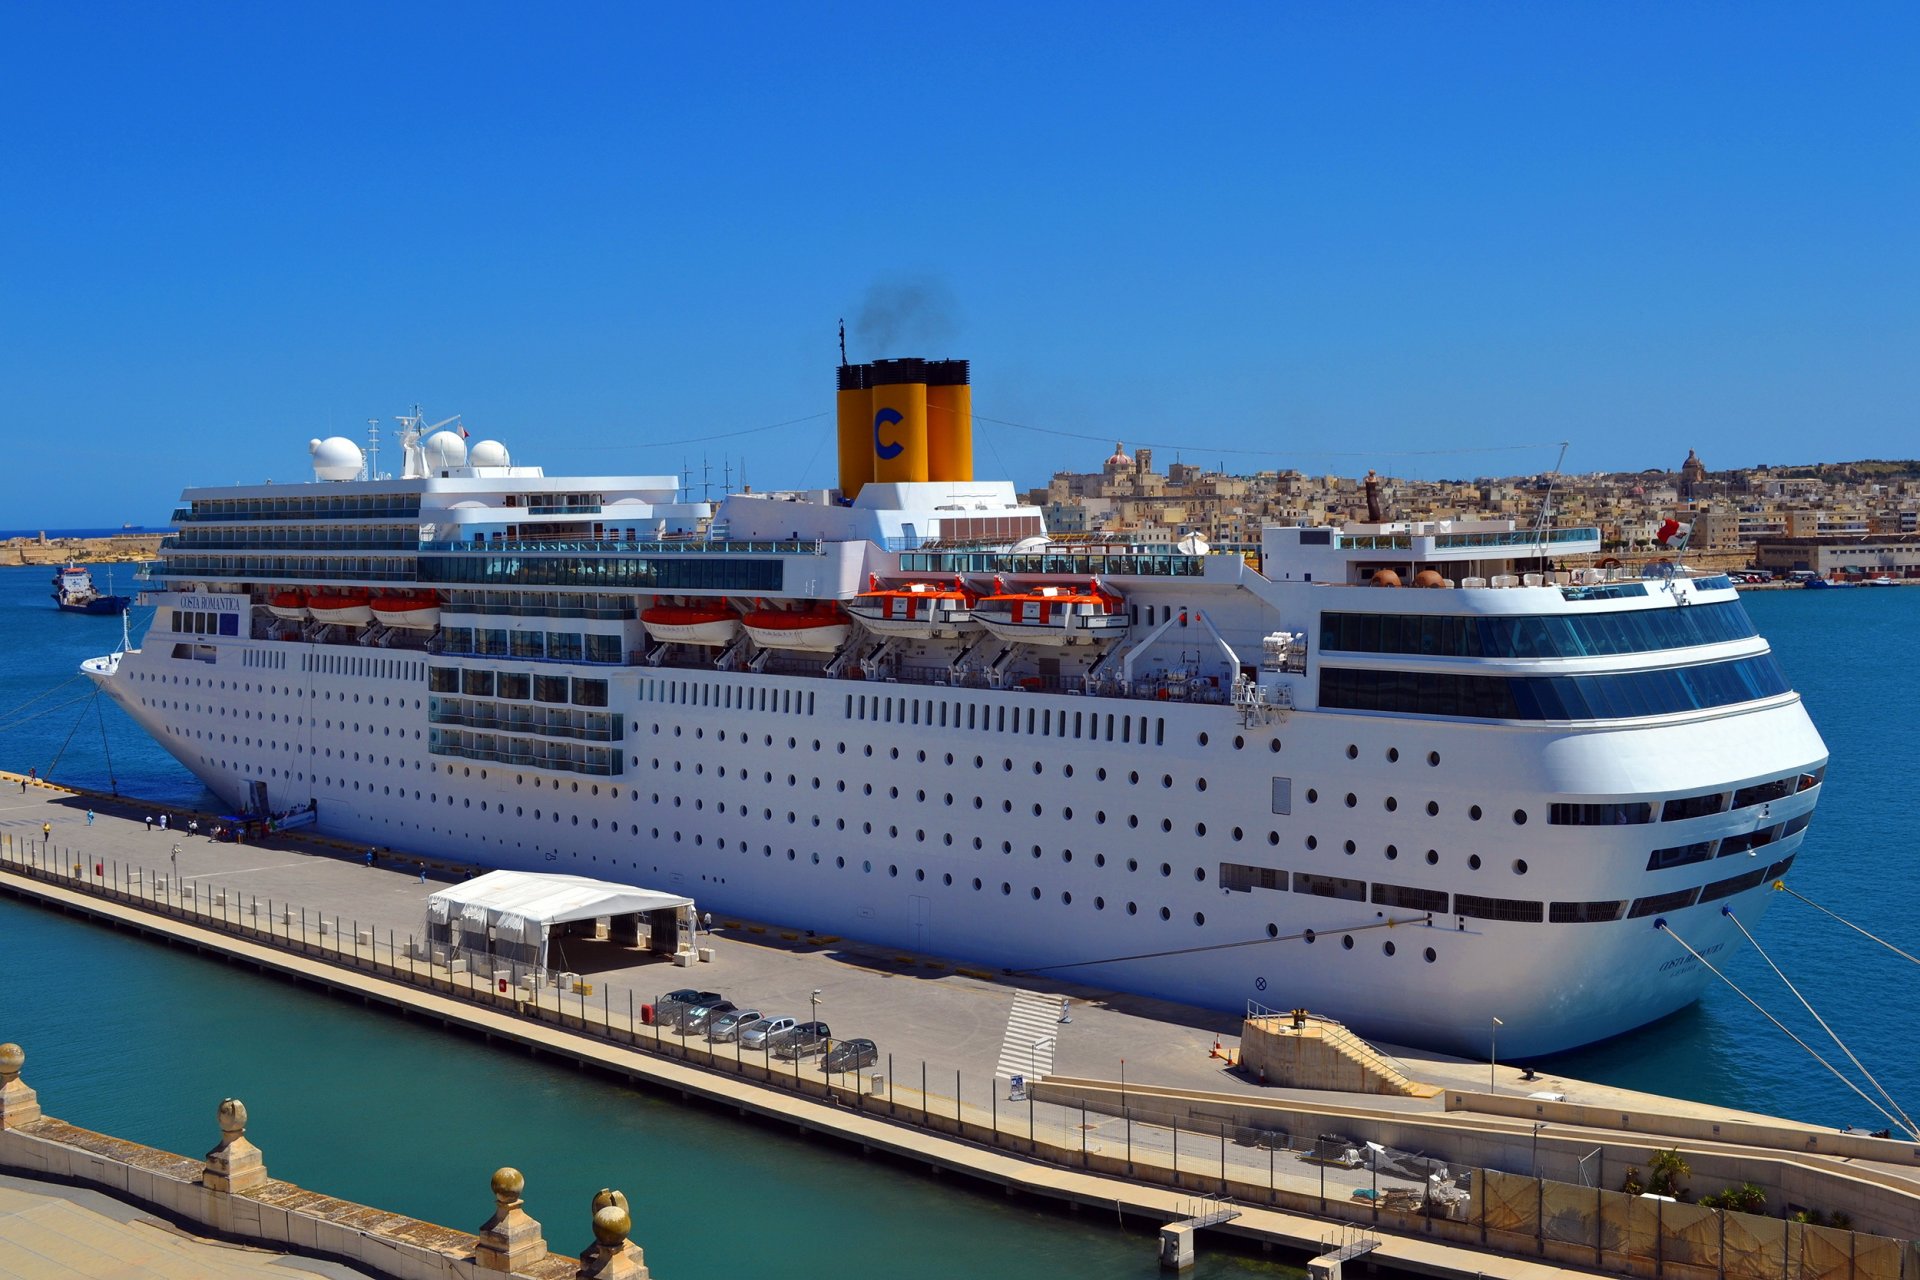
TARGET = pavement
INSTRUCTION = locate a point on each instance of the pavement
(52, 1232)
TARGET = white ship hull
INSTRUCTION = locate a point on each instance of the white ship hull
(1115, 852)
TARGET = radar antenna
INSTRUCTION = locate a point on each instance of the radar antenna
(373, 448)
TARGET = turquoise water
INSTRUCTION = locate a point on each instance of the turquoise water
(138, 1040)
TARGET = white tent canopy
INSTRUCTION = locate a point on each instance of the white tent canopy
(509, 914)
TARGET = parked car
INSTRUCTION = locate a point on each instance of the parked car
(727, 1026)
(850, 1055)
(759, 1034)
(670, 1005)
(799, 1041)
(692, 1018)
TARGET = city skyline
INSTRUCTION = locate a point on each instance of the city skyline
(1435, 243)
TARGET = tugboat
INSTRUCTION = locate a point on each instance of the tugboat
(73, 591)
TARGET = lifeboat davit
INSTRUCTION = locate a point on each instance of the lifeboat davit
(705, 623)
(346, 608)
(418, 610)
(1053, 615)
(818, 628)
(926, 610)
(290, 605)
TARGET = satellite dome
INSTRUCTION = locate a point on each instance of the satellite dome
(489, 453)
(445, 450)
(1192, 545)
(335, 458)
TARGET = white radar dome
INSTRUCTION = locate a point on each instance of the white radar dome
(489, 453)
(335, 458)
(445, 451)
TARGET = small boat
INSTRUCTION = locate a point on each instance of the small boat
(1882, 581)
(418, 610)
(1053, 615)
(288, 605)
(1830, 584)
(818, 628)
(926, 610)
(74, 592)
(704, 623)
(344, 608)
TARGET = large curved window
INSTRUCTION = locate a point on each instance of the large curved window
(1613, 696)
(1545, 636)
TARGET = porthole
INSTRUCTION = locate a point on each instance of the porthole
(1066, 899)
(1313, 796)
(1238, 835)
(1239, 742)
(1430, 956)
(1433, 808)
(1519, 866)
(1433, 857)
(1006, 890)
(1273, 930)
(1352, 800)
(1166, 868)
(1386, 948)
(1036, 893)
(1346, 942)
(1433, 759)
(1100, 904)
(1200, 874)
(1393, 755)
(1474, 813)
(1473, 862)
(1166, 913)
(1392, 804)
(1133, 864)
(1274, 746)
(1313, 842)
(1392, 852)
(1353, 751)
(1350, 846)
(1519, 817)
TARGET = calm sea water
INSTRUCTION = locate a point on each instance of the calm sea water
(134, 1039)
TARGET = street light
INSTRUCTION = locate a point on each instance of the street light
(1538, 1125)
(814, 1000)
(1493, 1053)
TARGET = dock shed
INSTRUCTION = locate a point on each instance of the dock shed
(510, 919)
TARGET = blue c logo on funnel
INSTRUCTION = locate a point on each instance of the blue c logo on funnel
(886, 418)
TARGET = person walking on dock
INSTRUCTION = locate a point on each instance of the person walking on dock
(89, 817)
(149, 822)
(423, 873)
(46, 832)
(163, 822)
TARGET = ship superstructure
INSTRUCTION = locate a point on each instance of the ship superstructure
(1414, 775)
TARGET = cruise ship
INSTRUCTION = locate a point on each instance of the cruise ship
(1417, 776)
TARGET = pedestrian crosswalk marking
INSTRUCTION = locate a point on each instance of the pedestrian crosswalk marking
(1033, 1026)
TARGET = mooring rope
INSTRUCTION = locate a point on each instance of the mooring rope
(78, 721)
(113, 783)
(1781, 886)
(1831, 1034)
(1813, 1053)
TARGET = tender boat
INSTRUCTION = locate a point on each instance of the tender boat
(74, 592)
(289, 606)
(1053, 615)
(923, 610)
(419, 610)
(704, 623)
(342, 608)
(817, 628)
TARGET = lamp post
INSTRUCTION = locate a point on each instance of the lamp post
(1493, 1053)
(1537, 1127)
(814, 1001)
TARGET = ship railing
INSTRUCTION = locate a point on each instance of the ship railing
(619, 546)
(1059, 564)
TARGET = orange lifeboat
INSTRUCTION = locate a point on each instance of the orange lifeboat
(708, 622)
(345, 608)
(926, 610)
(417, 610)
(289, 605)
(817, 628)
(1053, 615)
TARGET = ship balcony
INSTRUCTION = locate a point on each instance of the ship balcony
(614, 544)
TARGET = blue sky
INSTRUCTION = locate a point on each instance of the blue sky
(1332, 236)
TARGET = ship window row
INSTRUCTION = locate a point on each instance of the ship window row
(1057, 563)
(1046, 722)
(201, 622)
(1546, 636)
(1681, 855)
(547, 721)
(353, 664)
(273, 659)
(332, 506)
(728, 697)
(1242, 878)
(312, 569)
(596, 572)
(521, 686)
(1615, 695)
(337, 537)
(1680, 808)
(541, 604)
(524, 753)
(532, 646)
(1606, 814)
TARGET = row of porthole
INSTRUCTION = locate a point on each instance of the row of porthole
(1393, 755)
(1392, 853)
(1392, 804)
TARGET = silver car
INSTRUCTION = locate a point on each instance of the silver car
(727, 1026)
(759, 1035)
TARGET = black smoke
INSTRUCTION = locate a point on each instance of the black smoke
(916, 312)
